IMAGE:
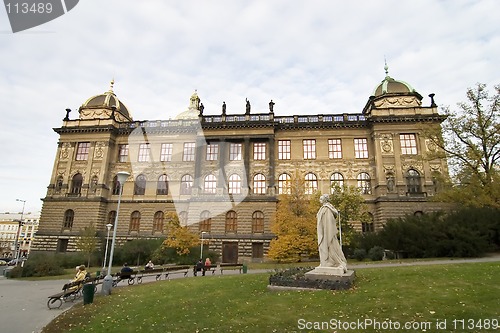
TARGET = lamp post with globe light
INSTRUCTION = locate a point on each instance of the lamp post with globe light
(108, 226)
(121, 177)
(201, 244)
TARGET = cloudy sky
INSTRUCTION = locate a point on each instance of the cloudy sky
(308, 56)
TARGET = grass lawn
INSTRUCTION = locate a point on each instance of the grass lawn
(419, 295)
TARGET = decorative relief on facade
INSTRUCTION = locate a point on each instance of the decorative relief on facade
(403, 101)
(99, 150)
(430, 145)
(386, 144)
(65, 149)
(435, 168)
(74, 171)
(412, 165)
(389, 168)
(95, 114)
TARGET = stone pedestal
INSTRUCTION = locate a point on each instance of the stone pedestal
(340, 279)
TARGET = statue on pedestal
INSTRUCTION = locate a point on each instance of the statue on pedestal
(330, 251)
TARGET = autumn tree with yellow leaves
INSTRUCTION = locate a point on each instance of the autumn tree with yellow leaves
(179, 237)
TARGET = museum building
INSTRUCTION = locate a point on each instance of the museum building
(222, 173)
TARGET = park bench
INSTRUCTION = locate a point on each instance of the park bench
(157, 272)
(229, 266)
(130, 277)
(212, 269)
(70, 291)
(168, 270)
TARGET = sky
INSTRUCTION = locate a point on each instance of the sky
(309, 57)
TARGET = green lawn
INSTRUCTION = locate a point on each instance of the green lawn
(419, 295)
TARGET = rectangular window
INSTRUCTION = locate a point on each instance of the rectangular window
(257, 250)
(143, 152)
(284, 148)
(361, 148)
(259, 151)
(334, 148)
(82, 151)
(188, 152)
(166, 152)
(309, 149)
(212, 151)
(235, 152)
(408, 144)
(123, 153)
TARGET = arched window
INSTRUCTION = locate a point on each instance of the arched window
(158, 219)
(364, 183)
(69, 216)
(259, 184)
(311, 183)
(231, 221)
(257, 222)
(140, 185)
(210, 184)
(234, 184)
(59, 184)
(413, 181)
(284, 182)
(186, 184)
(111, 218)
(336, 181)
(205, 221)
(162, 186)
(76, 184)
(135, 221)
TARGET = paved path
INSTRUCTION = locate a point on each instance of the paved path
(23, 304)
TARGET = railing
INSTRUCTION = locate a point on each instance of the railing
(297, 119)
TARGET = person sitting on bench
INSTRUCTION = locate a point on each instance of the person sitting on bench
(208, 264)
(126, 272)
(149, 265)
(80, 276)
(199, 267)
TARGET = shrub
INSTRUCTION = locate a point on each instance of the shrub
(39, 265)
(359, 254)
(376, 253)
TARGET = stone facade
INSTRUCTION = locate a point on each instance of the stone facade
(222, 173)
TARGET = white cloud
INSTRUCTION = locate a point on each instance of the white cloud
(309, 57)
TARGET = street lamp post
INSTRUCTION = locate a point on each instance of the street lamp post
(121, 177)
(108, 226)
(201, 245)
(18, 231)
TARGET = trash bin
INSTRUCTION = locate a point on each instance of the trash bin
(88, 293)
(245, 268)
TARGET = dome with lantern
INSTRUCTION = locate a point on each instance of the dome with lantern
(105, 106)
(392, 93)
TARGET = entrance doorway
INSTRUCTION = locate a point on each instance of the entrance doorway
(230, 252)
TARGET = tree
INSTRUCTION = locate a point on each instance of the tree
(137, 250)
(471, 142)
(87, 242)
(295, 224)
(351, 206)
(179, 237)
